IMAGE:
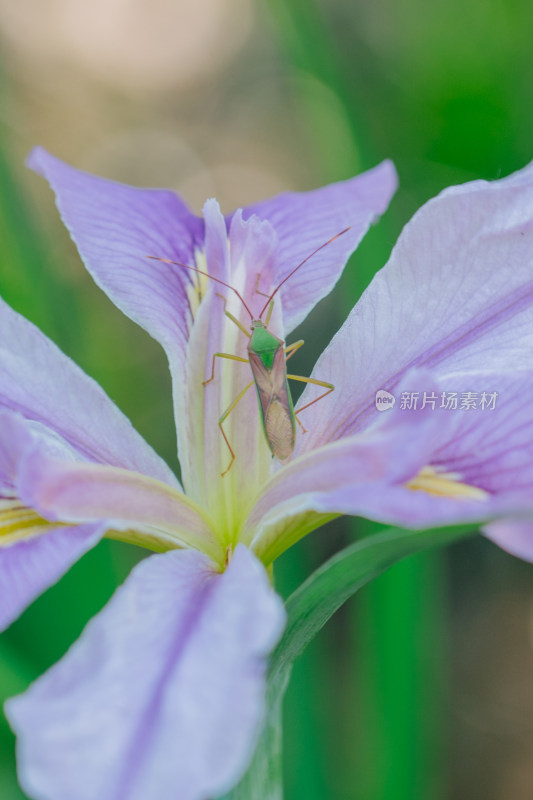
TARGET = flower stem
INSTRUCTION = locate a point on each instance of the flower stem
(402, 683)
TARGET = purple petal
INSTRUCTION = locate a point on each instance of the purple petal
(30, 566)
(41, 383)
(115, 228)
(457, 294)
(163, 694)
(489, 449)
(493, 447)
(303, 221)
(126, 500)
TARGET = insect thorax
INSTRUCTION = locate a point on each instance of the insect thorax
(263, 343)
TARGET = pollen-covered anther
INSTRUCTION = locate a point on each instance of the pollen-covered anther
(441, 483)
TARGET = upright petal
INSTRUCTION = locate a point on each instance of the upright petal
(31, 565)
(248, 252)
(305, 220)
(43, 385)
(115, 228)
(457, 294)
(163, 694)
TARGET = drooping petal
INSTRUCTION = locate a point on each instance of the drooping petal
(31, 565)
(457, 293)
(163, 694)
(488, 447)
(42, 487)
(149, 511)
(33, 552)
(115, 228)
(304, 221)
(42, 384)
(479, 458)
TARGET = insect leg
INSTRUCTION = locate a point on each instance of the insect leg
(292, 348)
(238, 324)
(222, 355)
(269, 313)
(328, 386)
(232, 318)
(224, 417)
(270, 305)
(256, 288)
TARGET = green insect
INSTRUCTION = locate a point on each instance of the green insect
(267, 356)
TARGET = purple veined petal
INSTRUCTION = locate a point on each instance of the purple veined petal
(38, 381)
(489, 449)
(33, 553)
(457, 294)
(491, 445)
(163, 694)
(305, 220)
(31, 565)
(76, 492)
(248, 252)
(115, 228)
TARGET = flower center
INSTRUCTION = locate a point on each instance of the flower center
(445, 484)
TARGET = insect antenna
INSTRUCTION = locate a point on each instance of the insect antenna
(278, 287)
(207, 275)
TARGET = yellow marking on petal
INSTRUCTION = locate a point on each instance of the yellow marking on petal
(19, 522)
(445, 484)
(197, 288)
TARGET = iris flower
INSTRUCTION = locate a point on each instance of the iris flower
(163, 694)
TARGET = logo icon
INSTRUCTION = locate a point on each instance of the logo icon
(384, 400)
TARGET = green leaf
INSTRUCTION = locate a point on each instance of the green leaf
(263, 779)
(324, 592)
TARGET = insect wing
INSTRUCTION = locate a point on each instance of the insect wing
(276, 403)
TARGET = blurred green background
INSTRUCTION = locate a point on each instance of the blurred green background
(422, 687)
